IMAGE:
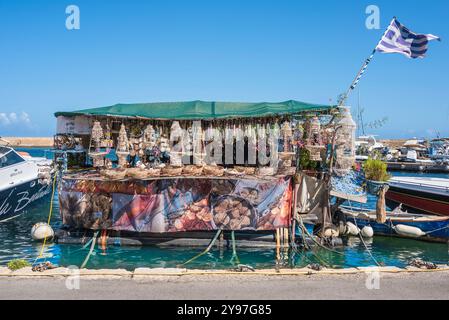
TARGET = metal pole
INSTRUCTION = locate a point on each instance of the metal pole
(357, 78)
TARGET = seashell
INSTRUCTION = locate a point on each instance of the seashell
(235, 213)
(245, 222)
(178, 224)
(195, 208)
(244, 210)
(235, 224)
(202, 203)
(190, 215)
(275, 211)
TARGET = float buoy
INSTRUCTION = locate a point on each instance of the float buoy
(408, 231)
(41, 231)
(367, 232)
(352, 229)
(331, 233)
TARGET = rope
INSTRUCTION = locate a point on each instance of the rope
(48, 220)
(437, 230)
(234, 257)
(303, 227)
(305, 232)
(363, 241)
(92, 246)
(207, 249)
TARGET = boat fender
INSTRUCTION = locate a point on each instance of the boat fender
(42, 230)
(363, 215)
(367, 232)
(408, 231)
(331, 233)
(352, 229)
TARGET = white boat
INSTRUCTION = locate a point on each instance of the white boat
(366, 145)
(369, 142)
(23, 181)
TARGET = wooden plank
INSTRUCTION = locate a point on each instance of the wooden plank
(355, 198)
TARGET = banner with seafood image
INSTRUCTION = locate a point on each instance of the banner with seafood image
(205, 204)
(177, 204)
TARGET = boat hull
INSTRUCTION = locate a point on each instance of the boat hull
(417, 201)
(18, 199)
(437, 230)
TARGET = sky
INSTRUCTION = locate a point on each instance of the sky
(223, 50)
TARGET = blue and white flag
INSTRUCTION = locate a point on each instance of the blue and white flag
(399, 39)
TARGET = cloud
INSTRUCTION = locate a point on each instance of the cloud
(7, 119)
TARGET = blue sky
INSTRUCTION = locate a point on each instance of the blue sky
(146, 51)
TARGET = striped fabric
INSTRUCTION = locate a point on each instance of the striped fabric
(399, 39)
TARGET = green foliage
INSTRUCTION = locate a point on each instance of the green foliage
(376, 170)
(17, 264)
(304, 160)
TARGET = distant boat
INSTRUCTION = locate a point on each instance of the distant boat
(402, 224)
(367, 144)
(23, 181)
(419, 195)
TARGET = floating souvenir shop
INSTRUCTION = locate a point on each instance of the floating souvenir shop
(188, 169)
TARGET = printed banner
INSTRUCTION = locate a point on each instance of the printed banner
(178, 204)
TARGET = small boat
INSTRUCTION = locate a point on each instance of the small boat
(419, 195)
(402, 224)
(23, 181)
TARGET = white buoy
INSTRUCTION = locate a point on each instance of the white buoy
(331, 233)
(367, 232)
(408, 231)
(42, 230)
(352, 229)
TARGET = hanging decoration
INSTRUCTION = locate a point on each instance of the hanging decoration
(122, 147)
(345, 142)
(314, 143)
(95, 147)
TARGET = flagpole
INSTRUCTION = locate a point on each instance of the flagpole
(361, 72)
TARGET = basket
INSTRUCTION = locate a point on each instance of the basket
(266, 171)
(153, 172)
(213, 171)
(246, 170)
(114, 174)
(171, 171)
(137, 173)
(192, 170)
(287, 171)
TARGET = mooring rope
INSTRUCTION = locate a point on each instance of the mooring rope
(363, 241)
(235, 257)
(48, 220)
(316, 242)
(92, 246)
(207, 249)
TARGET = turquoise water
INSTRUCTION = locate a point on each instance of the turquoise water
(15, 242)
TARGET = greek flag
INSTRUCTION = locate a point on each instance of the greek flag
(399, 39)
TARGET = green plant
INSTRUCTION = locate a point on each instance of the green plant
(17, 264)
(304, 160)
(376, 170)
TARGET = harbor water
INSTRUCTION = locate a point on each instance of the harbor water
(16, 243)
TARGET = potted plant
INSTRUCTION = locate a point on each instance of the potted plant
(376, 175)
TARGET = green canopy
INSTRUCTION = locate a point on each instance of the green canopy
(193, 110)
